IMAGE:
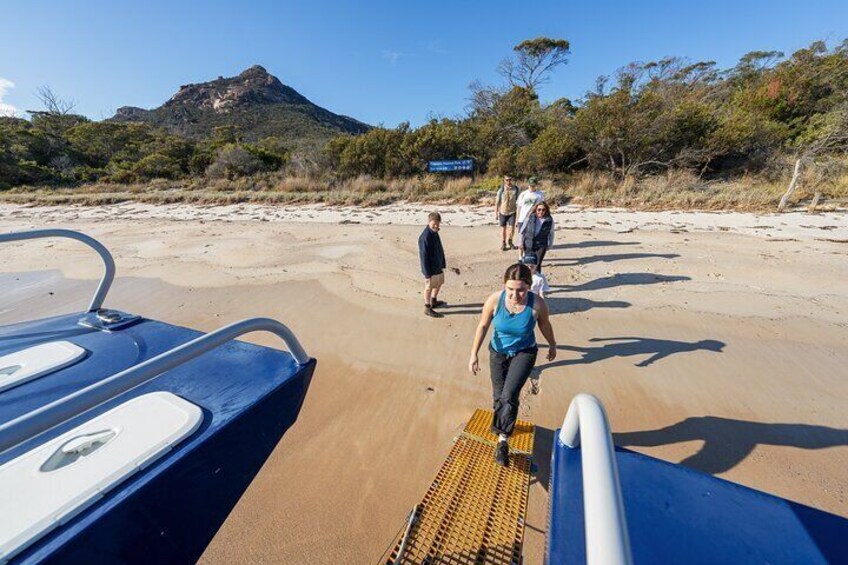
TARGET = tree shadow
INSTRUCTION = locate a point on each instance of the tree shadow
(571, 305)
(461, 309)
(587, 244)
(656, 349)
(543, 443)
(609, 258)
(619, 279)
(728, 442)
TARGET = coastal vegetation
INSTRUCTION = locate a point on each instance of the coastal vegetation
(660, 134)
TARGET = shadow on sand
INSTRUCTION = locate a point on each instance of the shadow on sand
(571, 305)
(587, 244)
(543, 443)
(609, 258)
(620, 279)
(460, 309)
(656, 349)
(727, 442)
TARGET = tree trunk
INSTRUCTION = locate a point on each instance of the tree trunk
(793, 184)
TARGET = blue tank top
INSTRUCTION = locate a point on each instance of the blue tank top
(514, 332)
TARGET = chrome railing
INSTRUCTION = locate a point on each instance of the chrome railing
(108, 274)
(38, 421)
(586, 426)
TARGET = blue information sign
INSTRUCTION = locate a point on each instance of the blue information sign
(450, 166)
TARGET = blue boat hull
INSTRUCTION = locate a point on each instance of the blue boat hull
(678, 515)
(169, 512)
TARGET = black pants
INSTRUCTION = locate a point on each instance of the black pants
(540, 255)
(508, 377)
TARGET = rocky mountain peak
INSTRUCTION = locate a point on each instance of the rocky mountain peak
(254, 102)
(254, 71)
(252, 86)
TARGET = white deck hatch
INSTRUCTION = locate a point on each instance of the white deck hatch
(36, 361)
(49, 485)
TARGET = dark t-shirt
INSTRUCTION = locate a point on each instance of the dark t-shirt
(431, 253)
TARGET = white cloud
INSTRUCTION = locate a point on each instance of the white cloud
(6, 109)
(390, 56)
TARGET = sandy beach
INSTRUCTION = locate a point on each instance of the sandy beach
(715, 340)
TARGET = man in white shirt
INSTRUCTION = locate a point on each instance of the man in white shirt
(527, 200)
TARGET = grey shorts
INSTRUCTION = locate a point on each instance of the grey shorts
(506, 219)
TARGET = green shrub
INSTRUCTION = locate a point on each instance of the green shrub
(234, 161)
(157, 166)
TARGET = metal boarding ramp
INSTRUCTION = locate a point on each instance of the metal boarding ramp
(474, 510)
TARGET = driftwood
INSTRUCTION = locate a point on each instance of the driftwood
(793, 184)
(814, 203)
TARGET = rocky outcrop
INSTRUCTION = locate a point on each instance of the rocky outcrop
(253, 86)
(130, 114)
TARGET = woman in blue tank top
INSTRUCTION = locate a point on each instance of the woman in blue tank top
(514, 312)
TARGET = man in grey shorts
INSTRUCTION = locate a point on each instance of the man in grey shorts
(505, 209)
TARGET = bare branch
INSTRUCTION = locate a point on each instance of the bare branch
(52, 103)
(483, 98)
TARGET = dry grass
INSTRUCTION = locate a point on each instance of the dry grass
(683, 190)
(679, 190)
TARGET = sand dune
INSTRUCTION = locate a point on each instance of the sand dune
(715, 340)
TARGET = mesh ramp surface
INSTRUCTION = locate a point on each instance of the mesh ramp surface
(478, 427)
(473, 512)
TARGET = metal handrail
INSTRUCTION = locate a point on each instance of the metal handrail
(38, 421)
(586, 425)
(405, 539)
(109, 273)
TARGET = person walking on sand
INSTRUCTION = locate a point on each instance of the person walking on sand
(505, 210)
(540, 284)
(432, 256)
(514, 311)
(537, 234)
(527, 200)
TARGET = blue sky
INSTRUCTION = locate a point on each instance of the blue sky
(380, 62)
